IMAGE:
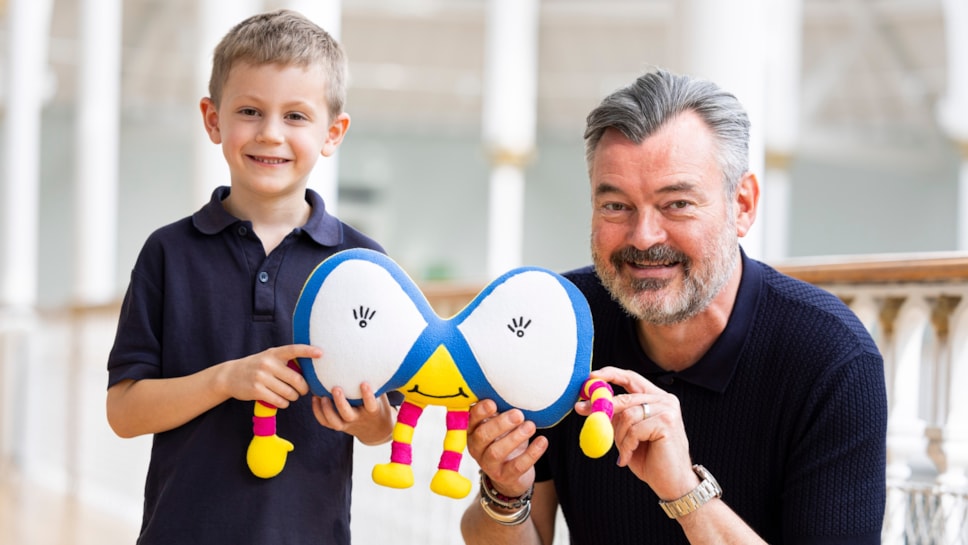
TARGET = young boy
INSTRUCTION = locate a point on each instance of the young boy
(206, 326)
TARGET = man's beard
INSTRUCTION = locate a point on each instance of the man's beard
(642, 298)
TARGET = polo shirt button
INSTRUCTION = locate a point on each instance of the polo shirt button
(263, 277)
(242, 230)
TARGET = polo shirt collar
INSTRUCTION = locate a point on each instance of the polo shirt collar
(322, 227)
(716, 367)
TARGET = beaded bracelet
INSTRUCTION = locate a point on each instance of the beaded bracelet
(495, 497)
(490, 495)
(512, 519)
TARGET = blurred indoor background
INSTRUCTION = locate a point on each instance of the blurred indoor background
(464, 158)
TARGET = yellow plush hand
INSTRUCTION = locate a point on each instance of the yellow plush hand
(597, 433)
(267, 455)
(267, 451)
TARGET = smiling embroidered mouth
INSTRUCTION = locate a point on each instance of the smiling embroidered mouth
(416, 390)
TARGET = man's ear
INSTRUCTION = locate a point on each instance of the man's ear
(747, 201)
(337, 130)
(210, 119)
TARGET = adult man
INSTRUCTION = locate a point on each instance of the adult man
(771, 384)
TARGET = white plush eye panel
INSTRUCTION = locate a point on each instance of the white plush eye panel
(365, 333)
(524, 336)
(524, 341)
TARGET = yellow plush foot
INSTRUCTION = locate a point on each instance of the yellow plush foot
(393, 475)
(267, 455)
(596, 435)
(450, 483)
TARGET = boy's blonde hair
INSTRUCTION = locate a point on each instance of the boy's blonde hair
(282, 37)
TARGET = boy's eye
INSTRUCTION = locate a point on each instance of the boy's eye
(249, 111)
(296, 116)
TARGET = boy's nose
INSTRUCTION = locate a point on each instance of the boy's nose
(269, 131)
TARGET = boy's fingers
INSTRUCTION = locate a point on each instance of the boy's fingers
(293, 351)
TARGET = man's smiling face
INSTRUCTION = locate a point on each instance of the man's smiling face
(664, 238)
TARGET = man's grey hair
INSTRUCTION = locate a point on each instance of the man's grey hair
(641, 108)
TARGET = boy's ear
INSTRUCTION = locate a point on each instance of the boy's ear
(337, 130)
(210, 118)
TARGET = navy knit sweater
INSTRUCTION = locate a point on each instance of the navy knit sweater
(788, 410)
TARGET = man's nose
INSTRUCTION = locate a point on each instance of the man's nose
(647, 229)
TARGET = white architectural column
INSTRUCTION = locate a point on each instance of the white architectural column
(953, 441)
(724, 42)
(781, 121)
(215, 19)
(962, 210)
(325, 176)
(867, 311)
(776, 186)
(25, 89)
(509, 120)
(906, 323)
(955, 444)
(953, 107)
(28, 29)
(905, 436)
(96, 156)
(96, 144)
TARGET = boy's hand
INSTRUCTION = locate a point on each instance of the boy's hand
(371, 423)
(267, 377)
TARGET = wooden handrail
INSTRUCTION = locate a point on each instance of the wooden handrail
(879, 269)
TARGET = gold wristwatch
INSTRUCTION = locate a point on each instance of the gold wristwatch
(707, 490)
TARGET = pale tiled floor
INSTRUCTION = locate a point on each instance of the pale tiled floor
(32, 515)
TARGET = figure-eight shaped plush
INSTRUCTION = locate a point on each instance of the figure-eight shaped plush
(525, 342)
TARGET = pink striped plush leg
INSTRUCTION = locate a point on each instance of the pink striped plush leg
(401, 450)
(398, 473)
(448, 481)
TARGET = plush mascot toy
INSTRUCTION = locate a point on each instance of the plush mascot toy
(525, 342)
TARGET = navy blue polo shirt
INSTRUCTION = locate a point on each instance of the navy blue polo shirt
(787, 409)
(203, 292)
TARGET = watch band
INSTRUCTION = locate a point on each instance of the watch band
(696, 498)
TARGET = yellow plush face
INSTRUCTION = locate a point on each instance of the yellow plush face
(439, 382)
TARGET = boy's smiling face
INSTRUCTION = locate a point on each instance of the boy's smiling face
(273, 124)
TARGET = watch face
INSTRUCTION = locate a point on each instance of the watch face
(705, 475)
(707, 490)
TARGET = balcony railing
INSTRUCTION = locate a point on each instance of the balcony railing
(53, 430)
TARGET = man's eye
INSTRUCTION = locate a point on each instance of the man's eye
(613, 207)
(679, 205)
